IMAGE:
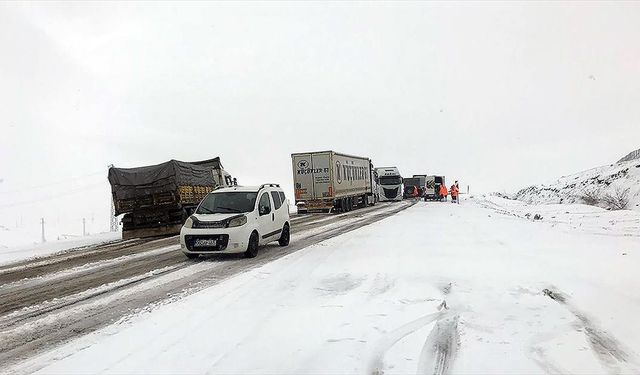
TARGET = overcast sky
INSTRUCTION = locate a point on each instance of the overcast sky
(497, 95)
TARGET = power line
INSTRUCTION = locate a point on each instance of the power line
(102, 172)
(53, 196)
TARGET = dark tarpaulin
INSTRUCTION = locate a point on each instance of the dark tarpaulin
(127, 183)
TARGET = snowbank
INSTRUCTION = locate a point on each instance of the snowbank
(574, 217)
(602, 181)
(437, 288)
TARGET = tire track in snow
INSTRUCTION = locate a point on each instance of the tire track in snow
(440, 348)
(376, 363)
(607, 349)
(31, 268)
(30, 283)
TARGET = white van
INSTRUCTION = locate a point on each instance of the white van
(237, 220)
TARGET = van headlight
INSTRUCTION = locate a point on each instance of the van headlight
(188, 223)
(237, 221)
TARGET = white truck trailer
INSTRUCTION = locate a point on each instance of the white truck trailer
(330, 181)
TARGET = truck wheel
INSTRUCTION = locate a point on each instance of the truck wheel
(349, 204)
(252, 247)
(285, 237)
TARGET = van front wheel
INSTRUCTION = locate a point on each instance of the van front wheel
(285, 237)
(252, 247)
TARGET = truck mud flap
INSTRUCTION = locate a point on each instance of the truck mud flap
(167, 230)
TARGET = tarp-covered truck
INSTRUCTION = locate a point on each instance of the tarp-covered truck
(157, 199)
(327, 181)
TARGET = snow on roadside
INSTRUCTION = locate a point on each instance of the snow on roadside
(605, 180)
(10, 254)
(576, 217)
(436, 288)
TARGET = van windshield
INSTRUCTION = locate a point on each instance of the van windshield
(390, 180)
(226, 203)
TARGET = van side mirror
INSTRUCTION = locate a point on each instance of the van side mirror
(264, 210)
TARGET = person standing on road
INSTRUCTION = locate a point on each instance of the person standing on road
(454, 193)
(443, 192)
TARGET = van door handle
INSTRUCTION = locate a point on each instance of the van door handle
(273, 217)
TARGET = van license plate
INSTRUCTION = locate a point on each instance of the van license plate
(202, 243)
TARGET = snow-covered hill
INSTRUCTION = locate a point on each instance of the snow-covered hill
(597, 186)
(633, 155)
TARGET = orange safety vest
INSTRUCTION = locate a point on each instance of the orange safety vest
(443, 190)
(454, 191)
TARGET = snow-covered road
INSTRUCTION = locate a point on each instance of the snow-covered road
(57, 298)
(437, 288)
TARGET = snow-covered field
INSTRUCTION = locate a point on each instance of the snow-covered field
(570, 217)
(602, 181)
(472, 288)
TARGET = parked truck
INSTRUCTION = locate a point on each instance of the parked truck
(419, 181)
(329, 181)
(390, 184)
(157, 199)
(433, 187)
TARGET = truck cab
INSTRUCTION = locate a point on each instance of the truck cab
(390, 184)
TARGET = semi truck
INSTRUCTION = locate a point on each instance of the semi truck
(419, 181)
(390, 184)
(157, 199)
(433, 187)
(329, 181)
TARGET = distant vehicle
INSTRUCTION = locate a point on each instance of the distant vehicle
(157, 199)
(237, 220)
(327, 181)
(433, 187)
(390, 184)
(419, 181)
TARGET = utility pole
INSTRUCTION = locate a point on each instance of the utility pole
(113, 220)
(42, 224)
(84, 227)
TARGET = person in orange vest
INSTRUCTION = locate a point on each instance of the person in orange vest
(414, 193)
(454, 194)
(443, 192)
